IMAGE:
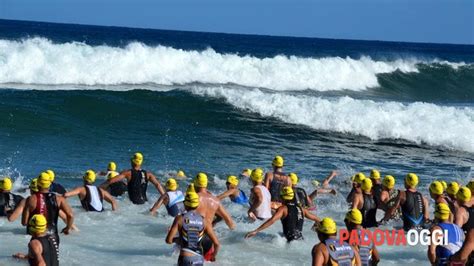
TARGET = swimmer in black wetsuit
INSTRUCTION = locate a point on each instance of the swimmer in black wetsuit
(137, 181)
(291, 215)
(11, 205)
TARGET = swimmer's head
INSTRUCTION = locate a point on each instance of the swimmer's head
(191, 200)
(294, 179)
(470, 185)
(44, 181)
(453, 188)
(201, 180)
(463, 195)
(180, 174)
(232, 181)
(375, 174)
(171, 184)
(51, 174)
(388, 182)
(257, 175)
(353, 216)
(436, 189)
(278, 161)
(327, 227)
(287, 193)
(37, 224)
(6, 184)
(411, 180)
(442, 211)
(34, 185)
(366, 185)
(112, 166)
(445, 185)
(137, 159)
(357, 179)
(89, 177)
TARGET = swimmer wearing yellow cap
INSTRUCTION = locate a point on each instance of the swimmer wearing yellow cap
(173, 199)
(91, 196)
(440, 254)
(43, 249)
(137, 180)
(356, 190)
(118, 188)
(464, 216)
(388, 199)
(11, 205)
(55, 186)
(43, 202)
(260, 198)
(245, 173)
(330, 251)
(276, 180)
(365, 202)
(353, 221)
(291, 215)
(192, 227)
(324, 188)
(233, 192)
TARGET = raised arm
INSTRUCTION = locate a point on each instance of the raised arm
(155, 182)
(277, 216)
(108, 182)
(109, 199)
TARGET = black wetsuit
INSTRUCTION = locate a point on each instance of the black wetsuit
(86, 202)
(470, 222)
(47, 204)
(293, 222)
(369, 211)
(137, 186)
(377, 191)
(50, 252)
(301, 197)
(117, 189)
(8, 203)
(413, 210)
(57, 188)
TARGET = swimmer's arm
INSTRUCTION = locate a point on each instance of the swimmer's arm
(318, 256)
(267, 180)
(17, 212)
(26, 213)
(357, 257)
(73, 192)
(226, 194)
(155, 182)
(211, 234)
(355, 202)
(431, 253)
(69, 214)
(173, 230)
(467, 248)
(329, 178)
(426, 211)
(384, 197)
(459, 217)
(277, 216)
(313, 195)
(158, 204)
(37, 250)
(257, 200)
(221, 212)
(311, 216)
(109, 199)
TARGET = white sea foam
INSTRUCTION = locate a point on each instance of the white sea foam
(418, 122)
(39, 61)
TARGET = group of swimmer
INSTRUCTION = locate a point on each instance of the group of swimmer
(274, 196)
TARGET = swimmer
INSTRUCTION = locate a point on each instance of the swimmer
(43, 249)
(365, 202)
(55, 187)
(245, 173)
(291, 215)
(413, 204)
(451, 191)
(356, 189)
(465, 214)
(118, 188)
(324, 189)
(330, 251)
(437, 194)
(91, 196)
(48, 204)
(301, 197)
(376, 185)
(191, 227)
(180, 175)
(388, 199)
(137, 181)
(439, 254)
(276, 180)
(11, 205)
(465, 256)
(235, 194)
(260, 198)
(173, 200)
(368, 253)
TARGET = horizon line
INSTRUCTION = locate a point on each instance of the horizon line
(245, 34)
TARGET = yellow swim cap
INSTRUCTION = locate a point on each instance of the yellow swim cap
(171, 184)
(366, 185)
(180, 174)
(442, 211)
(287, 193)
(327, 226)
(445, 185)
(201, 180)
(388, 181)
(354, 216)
(464, 194)
(191, 200)
(411, 180)
(294, 179)
(190, 188)
(257, 175)
(44, 180)
(112, 174)
(51, 174)
(436, 188)
(453, 188)
(375, 174)
(34, 185)
(315, 183)
(358, 178)
(137, 159)
(6, 184)
(470, 185)
(38, 224)
(233, 180)
(89, 176)
(112, 167)
(247, 171)
(278, 161)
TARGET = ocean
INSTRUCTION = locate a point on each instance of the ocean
(75, 97)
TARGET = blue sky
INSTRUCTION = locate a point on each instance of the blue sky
(441, 21)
